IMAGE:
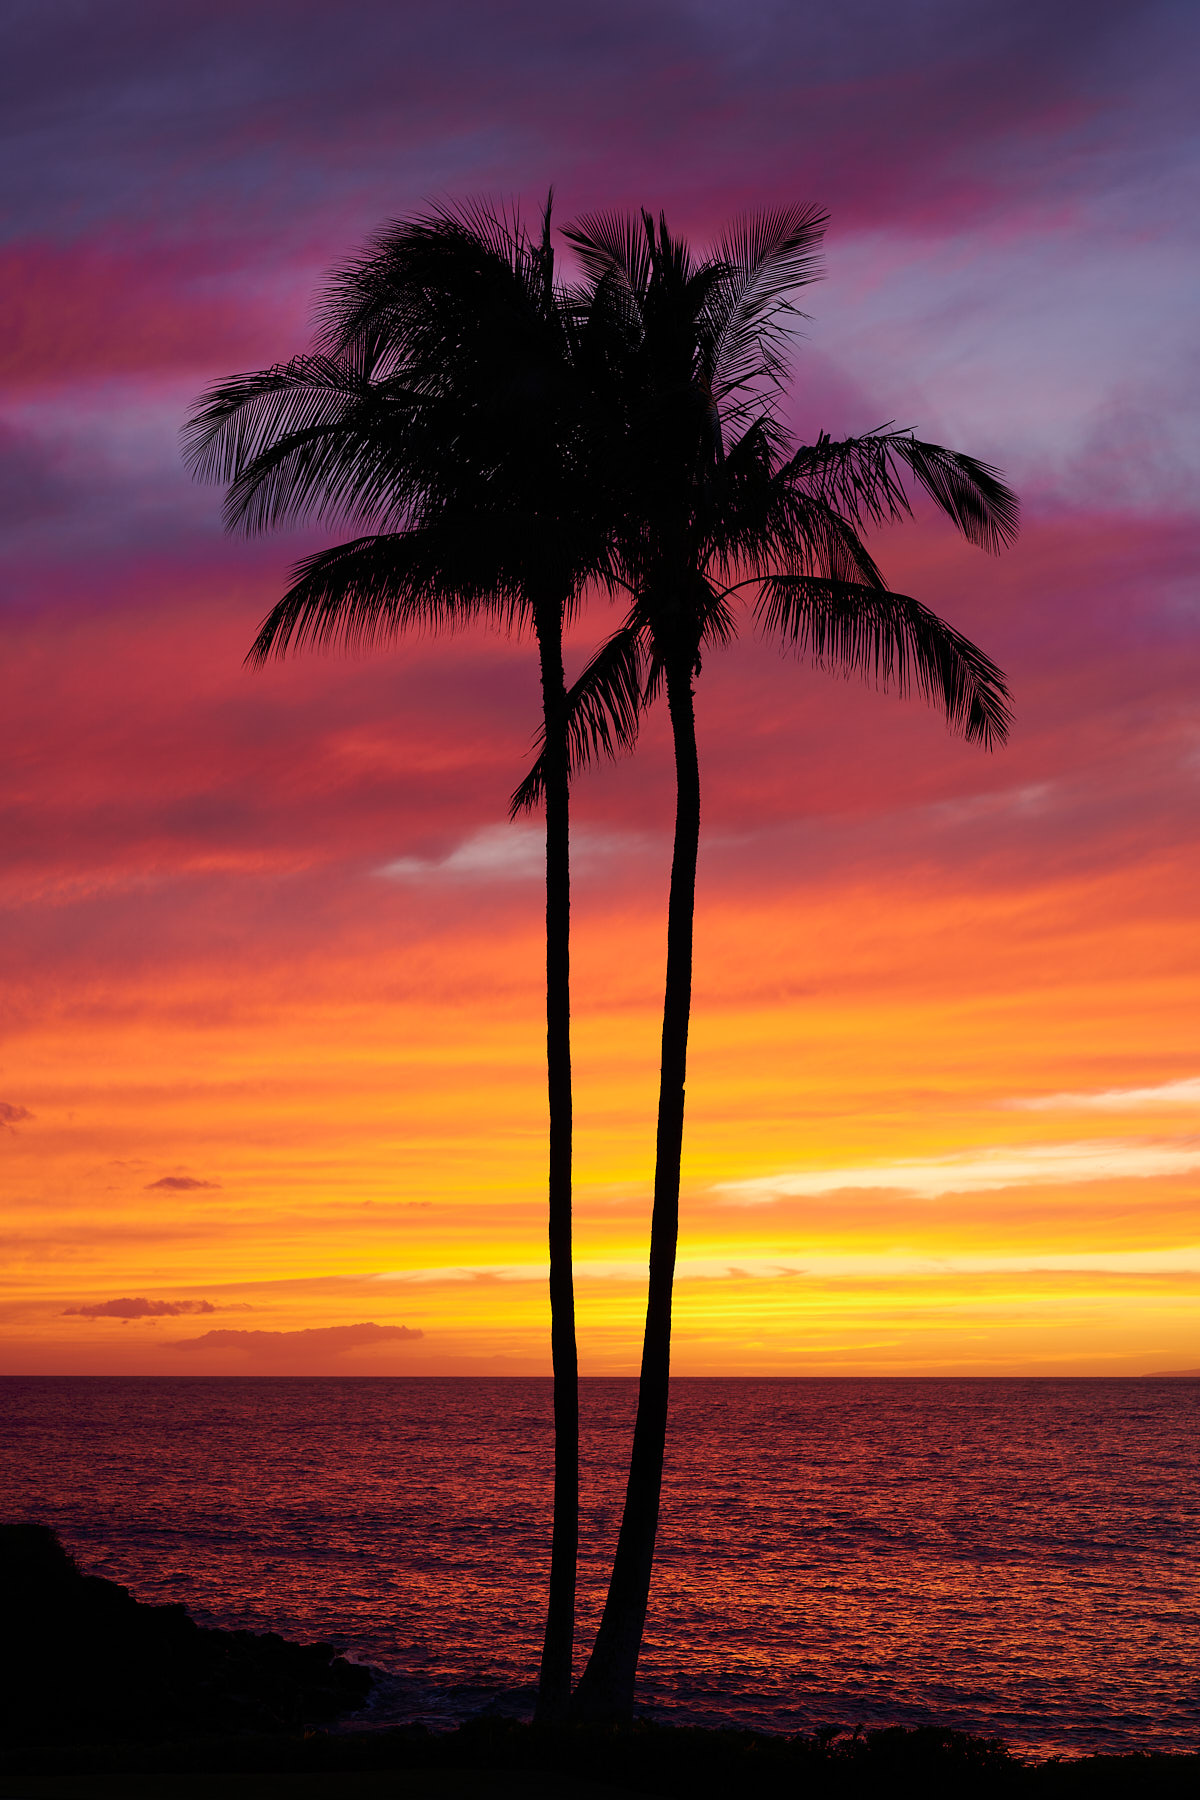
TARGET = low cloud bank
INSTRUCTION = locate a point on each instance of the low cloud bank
(333, 1338)
(138, 1307)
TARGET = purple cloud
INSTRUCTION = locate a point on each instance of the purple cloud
(139, 1308)
(213, 113)
(180, 1184)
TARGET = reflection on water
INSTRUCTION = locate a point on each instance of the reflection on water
(1017, 1557)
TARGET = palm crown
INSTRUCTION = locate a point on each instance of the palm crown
(446, 408)
(719, 504)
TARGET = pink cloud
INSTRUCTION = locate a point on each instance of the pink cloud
(102, 309)
(195, 813)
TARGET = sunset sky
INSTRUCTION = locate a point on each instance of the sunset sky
(271, 1066)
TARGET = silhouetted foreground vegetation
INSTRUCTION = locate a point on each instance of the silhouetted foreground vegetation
(98, 1684)
(673, 1762)
(85, 1660)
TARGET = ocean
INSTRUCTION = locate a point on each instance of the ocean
(1018, 1558)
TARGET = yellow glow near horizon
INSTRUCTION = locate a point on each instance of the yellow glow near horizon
(883, 1174)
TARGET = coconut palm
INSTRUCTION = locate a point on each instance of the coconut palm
(450, 407)
(720, 507)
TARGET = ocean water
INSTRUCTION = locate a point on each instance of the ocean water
(1019, 1558)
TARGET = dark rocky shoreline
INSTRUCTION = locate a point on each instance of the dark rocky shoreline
(82, 1659)
(97, 1683)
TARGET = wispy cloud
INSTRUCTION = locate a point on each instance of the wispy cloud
(1184, 1093)
(13, 1115)
(505, 853)
(821, 1266)
(979, 1171)
(498, 852)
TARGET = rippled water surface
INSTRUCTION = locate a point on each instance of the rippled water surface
(1016, 1557)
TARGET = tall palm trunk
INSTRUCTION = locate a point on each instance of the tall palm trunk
(554, 1685)
(606, 1688)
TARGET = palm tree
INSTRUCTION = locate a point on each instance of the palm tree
(451, 407)
(720, 502)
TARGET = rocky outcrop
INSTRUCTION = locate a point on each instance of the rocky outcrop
(83, 1660)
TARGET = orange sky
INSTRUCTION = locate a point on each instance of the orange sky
(271, 1046)
(944, 1088)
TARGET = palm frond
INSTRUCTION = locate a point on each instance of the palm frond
(444, 285)
(317, 437)
(863, 478)
(894, 641)
(614, 248)
(365, 592)
(855, 476)
(765, 257)
(603, 710)
(761, 519)
(969, 492)
(326, 475)
(810, 537)
(712, 618)
(236, 420)
(544, 253)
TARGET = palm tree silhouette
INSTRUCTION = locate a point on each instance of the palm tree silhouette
(453, 406)
(719, 501)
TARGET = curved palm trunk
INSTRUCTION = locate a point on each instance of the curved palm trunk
(554, 1684)
(605, 1691)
